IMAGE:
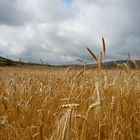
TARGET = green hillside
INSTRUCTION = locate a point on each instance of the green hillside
(110, 64)
(9, 62)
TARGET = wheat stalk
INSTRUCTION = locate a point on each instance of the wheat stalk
(113, 103)
(69, 106)
(92, 54)
(104, 45)
(100, 60)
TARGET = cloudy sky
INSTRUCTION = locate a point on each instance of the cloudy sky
(58, 31)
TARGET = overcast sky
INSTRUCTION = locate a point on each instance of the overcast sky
(58, 31)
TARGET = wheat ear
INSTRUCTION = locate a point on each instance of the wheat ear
(93, 55)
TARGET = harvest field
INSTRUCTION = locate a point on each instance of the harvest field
(69, 104)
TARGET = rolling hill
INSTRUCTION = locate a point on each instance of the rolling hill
(110, 64)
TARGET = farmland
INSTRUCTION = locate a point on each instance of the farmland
(41, 103)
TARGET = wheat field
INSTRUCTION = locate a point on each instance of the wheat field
(69, 104)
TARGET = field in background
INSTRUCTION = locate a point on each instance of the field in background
(69, 104)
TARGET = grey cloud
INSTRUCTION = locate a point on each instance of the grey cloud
(11, 13)
(56, 11)
(59, 33)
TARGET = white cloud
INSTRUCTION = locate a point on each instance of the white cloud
(59, 31)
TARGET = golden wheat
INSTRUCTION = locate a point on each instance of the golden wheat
(63, 104)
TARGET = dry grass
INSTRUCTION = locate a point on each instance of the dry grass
(69, 104)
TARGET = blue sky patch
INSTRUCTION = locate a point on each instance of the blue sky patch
(68, 1)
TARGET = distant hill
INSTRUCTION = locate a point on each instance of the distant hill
(130, 63)
(110, 64)
(10, 62)
(7, 62)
